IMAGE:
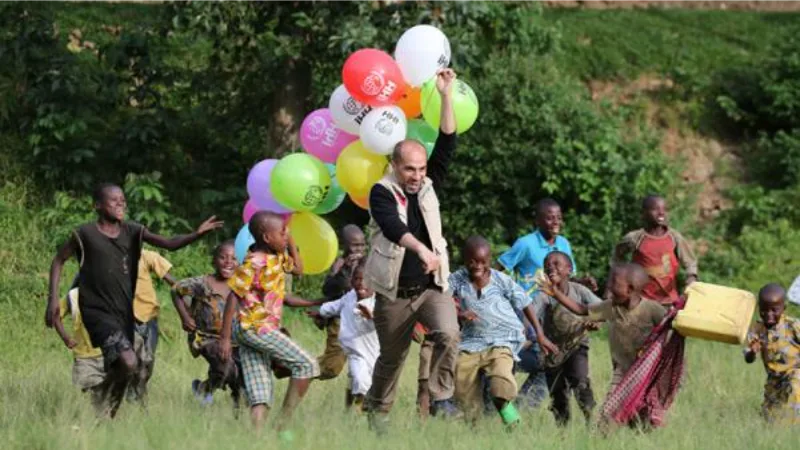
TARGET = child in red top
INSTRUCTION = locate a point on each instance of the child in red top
(660, 250)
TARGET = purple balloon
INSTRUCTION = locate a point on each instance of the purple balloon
(258, 187)
(320, 136)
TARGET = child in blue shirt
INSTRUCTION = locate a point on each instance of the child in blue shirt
(491, 332)
(525, 259)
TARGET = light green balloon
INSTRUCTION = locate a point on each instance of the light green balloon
(300, 182)
(420, 131)
(465, 105)
(335, 195)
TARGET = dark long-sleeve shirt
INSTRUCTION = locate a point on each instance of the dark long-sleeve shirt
(337, 282)
(383, 207)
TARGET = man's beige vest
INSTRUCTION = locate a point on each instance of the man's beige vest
(385, 257)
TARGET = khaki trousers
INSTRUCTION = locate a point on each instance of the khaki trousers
(394, 322)
(497, 365)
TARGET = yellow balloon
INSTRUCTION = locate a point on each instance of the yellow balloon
(358, 169)
(316, 241)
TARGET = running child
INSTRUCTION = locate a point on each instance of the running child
(87, 368)
(338, 283)
(568, 371)
(660, 250)
(145, 311)
(776, 337)
(525, 260)
(491, 334)
(108, 251)
(630, 316)
(205, 298)
(357, 334)
(258, 289)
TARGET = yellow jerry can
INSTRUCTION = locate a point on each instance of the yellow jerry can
(716, 313)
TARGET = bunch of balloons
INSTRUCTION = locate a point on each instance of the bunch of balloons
(346, 144)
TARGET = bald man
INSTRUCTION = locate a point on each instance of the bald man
(407, 266)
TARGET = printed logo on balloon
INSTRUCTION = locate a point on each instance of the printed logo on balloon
(316, 127)
(352, 106)
(373, 84)
(314, 195)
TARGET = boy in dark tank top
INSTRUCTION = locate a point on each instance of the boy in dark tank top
(108, 252)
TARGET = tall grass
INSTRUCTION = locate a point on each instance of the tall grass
(40, 409)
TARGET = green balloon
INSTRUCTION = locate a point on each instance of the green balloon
(300, 182)
(335, 195)
(420, 131)
(465, 105)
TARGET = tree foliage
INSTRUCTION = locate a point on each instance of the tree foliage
(182, 104)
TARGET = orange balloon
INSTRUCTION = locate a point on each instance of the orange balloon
(411, 102)
(362, 203)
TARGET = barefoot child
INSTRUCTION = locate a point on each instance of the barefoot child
(631, 319)
(145, 310)
(258, 289)
(336, 285)
(569, 370)
(525, 260)
(108, 251)
(777, 338)
(205, 297)
(356, 334)
(491, 334)
(87, 369)
(660, 250)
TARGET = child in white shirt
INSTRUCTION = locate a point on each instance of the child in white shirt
(356, 333)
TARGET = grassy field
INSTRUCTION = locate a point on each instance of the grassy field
(610, 44)
(39, 407)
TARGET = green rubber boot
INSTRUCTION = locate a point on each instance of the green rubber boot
(509, 414)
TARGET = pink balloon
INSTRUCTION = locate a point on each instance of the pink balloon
(320, 136)
(258, 187)
(250, 208)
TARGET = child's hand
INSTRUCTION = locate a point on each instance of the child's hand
(547, 285)
(52, 312)
(210, 224)
(591, 326)
(364, 311)
(754, 346)
(352, 260)
(225, 349)
(70, 343)
(547, 347)
(589, 282)
(188, 325)
(469, 316)
(319, 321)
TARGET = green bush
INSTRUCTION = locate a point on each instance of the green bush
(539, 135)
(181, 107)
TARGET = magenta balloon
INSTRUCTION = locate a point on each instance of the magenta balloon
(258, 187)
(320, 136)
(250, 208)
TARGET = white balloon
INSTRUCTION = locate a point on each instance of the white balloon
(346, 111)
(420, 52)
(382, 129)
